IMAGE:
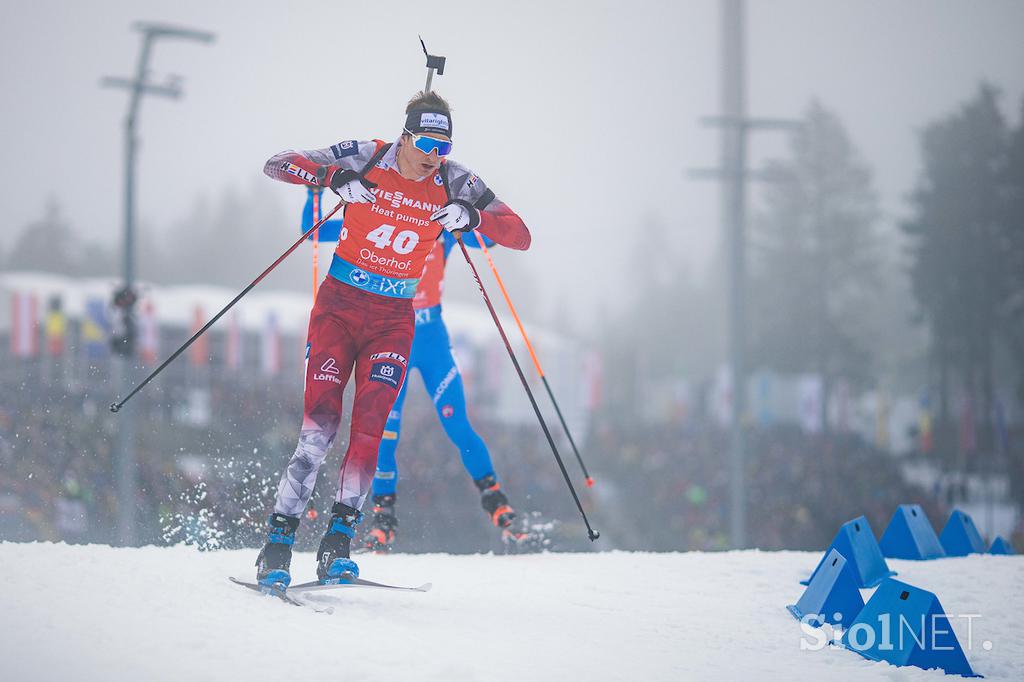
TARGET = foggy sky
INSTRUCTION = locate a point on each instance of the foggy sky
(583, 116)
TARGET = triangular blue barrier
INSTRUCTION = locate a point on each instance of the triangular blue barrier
(910, 535)
(832, 597)
(906, 625)
(960, 537)
(1001, 546)
(856, 541)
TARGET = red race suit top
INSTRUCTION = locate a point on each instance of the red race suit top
(392, 238)
(428, 293)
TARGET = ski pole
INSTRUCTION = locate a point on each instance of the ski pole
(536, 362)
(591, 533)
(115, 407)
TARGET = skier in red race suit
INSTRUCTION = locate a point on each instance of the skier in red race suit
(432, 356)
(400, 198)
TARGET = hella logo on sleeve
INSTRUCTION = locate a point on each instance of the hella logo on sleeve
(430, 120)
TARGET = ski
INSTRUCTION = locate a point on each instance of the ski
(357, 582)
(281, 594)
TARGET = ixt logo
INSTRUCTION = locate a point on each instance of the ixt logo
(359, 278)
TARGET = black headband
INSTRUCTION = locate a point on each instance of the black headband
(429, 121)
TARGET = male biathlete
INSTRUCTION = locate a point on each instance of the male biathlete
(400, 198)
(432, 355)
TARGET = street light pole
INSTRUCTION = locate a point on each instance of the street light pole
(734, 162)
(123, 338)
(733, 174)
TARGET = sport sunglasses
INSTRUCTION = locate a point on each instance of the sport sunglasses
(429, 144)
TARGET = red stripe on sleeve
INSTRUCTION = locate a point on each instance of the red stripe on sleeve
(501, 224)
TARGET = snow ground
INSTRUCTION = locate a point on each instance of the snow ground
(93, 612)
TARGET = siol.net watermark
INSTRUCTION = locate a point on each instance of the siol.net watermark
(928, 632)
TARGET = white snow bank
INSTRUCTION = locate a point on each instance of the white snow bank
(99, 613)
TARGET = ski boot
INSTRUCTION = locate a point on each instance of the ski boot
(494, 502)
(333, 564)
(520, 535)
(276, 556)
(381, 535)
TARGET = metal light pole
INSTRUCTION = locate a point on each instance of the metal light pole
(122, 341)
(734, 161)
(734, 175)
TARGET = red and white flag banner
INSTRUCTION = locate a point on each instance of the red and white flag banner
(149, 334)
(234, 343)
(24, 325)
(199, 351)
(271, 347)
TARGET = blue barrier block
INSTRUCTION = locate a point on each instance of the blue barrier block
(1001, 546)
(832, 597)
(856, 541)
(906, 625)
(960, 537)
(910, 535)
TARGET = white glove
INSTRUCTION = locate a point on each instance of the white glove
(348, 185)
(355, 192)
(457, 216)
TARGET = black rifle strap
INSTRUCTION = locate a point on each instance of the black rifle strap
(374, 159)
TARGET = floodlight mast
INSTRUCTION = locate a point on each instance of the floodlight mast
(137, 88)
(123, 340)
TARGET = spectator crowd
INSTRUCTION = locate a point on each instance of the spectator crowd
(209, 478)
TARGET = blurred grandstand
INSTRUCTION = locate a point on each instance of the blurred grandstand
(217, 426)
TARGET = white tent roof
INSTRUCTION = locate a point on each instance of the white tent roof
(176, 305)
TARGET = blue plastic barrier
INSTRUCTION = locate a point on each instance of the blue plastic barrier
(906, 625)
(910, 535)
(856, 542)
(1001, 546)
(832, 597)
(960, 537)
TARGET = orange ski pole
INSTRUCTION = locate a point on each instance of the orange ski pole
(591, 533)
(316, 243)
(536, 362)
